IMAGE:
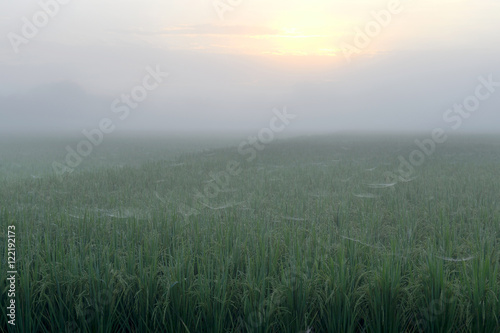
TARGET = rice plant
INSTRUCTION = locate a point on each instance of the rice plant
(309, 237)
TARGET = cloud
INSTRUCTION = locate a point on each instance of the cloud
(206, 29)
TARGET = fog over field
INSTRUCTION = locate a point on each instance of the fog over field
(227, 74)
(250, 166)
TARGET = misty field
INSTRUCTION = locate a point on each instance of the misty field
(315, 234)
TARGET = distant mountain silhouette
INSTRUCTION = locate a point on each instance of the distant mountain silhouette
(60, 105)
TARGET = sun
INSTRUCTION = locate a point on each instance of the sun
(299, 33)
(301, 41)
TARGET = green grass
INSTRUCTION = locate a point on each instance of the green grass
(286, 246)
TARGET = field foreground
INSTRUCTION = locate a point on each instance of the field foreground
(315, 234)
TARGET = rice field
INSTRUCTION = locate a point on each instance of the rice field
(313, 235)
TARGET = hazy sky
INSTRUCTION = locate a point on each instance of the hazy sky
(231, 62)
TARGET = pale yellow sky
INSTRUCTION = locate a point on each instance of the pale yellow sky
(259, 27)
(311, 28)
